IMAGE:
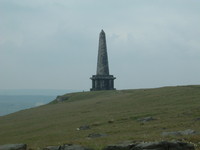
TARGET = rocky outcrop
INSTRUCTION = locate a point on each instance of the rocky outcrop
(62, 98)
(164, 145)
(13, 147)
(52, 148)
(124, 146)
(66, 147)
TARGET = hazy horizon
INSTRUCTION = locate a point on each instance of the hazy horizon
(13, 100)
(41, 92)
(13, 103)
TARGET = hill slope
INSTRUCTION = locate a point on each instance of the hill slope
(114, 113)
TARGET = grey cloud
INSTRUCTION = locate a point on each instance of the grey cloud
(53, 44)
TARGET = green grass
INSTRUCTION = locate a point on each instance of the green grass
(175, 109)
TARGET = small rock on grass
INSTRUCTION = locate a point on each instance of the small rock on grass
(197, 119)
(179, 133)
(96, 135)
(111, 121)
(84, 127)
(146, 119)
(96, 124)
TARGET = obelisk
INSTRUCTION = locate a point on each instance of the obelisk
(102, 80)
(102, 62)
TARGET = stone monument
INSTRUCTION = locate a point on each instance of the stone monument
(102, 80)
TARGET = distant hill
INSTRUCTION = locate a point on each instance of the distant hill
(46, 92)
(116, 114)
(13, 103)
(12, 100)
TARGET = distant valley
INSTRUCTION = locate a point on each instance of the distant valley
(15, 100)
(13, 103)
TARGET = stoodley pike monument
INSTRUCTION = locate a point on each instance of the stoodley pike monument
(102, 80)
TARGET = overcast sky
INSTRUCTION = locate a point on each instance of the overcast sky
(53, 44)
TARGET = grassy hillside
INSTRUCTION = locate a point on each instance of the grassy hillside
(174, 108)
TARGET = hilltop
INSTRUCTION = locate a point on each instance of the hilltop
(116, 114)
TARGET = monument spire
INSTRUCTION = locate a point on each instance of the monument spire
(102, 80)
(102, 62)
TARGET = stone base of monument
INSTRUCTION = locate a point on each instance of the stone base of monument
(102, 82)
